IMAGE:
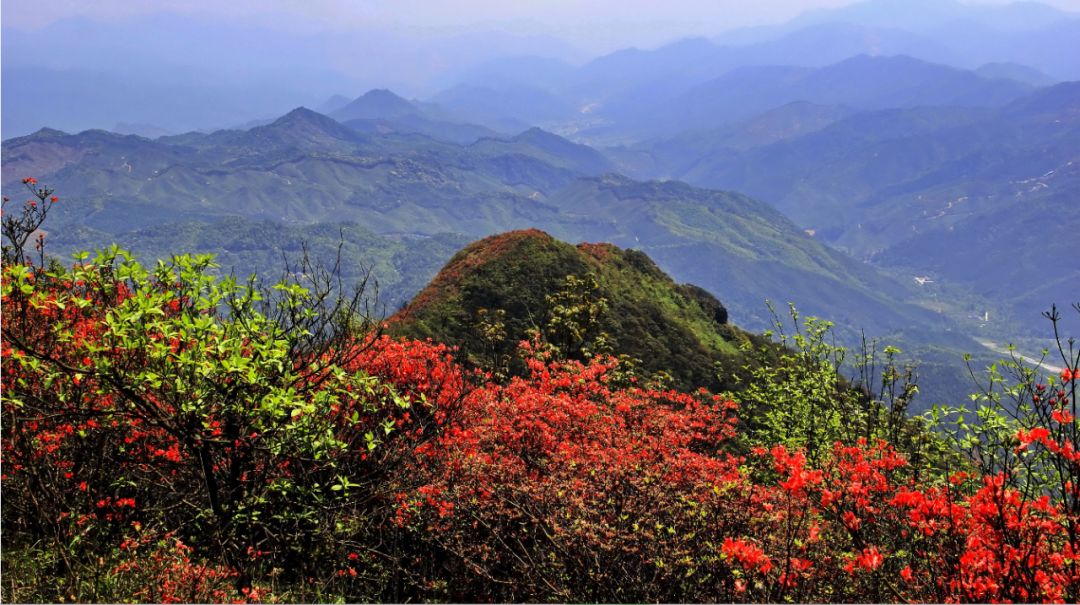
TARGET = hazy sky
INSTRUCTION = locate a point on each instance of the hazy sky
(423, 13)
(424, 36)
(628, 19)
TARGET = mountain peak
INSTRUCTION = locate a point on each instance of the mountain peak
(302, 127)
(539, 134)
(304, 118)
(300, 113)
(375, 104)
(469, 259)
(334, 103)
(382, 94)
(46, 132)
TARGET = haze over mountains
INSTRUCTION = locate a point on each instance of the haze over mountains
(148, 70)
(907, 169)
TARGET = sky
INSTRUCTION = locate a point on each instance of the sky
(596, 25)
(422, 13)
(441, 13)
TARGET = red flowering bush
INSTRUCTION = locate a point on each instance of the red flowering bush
(557, 485)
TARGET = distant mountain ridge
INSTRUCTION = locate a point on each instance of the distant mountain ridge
(381, 111)
(95, 75)
(551, 148)
(633, 95)
(862, 82)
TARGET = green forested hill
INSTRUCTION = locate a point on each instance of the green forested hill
(594, 297)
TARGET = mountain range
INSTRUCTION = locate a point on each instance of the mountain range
(306, 168)
(407, 200)
(862, 82)
(959, 194)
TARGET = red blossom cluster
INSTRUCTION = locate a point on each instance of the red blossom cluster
(161, 570)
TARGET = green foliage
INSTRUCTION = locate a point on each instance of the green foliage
(800, 398)
(574, 313)
(999, 429)
(399, 266)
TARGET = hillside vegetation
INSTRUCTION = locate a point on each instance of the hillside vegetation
(311, 174)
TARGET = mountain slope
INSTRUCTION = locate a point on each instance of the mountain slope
(549, 148)
(454, 132)
(731, 244)
(508, 107)
(975, 197)
(673, 155)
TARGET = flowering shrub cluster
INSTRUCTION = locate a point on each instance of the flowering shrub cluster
(559, 484)
(169, 436)
(559, 487)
